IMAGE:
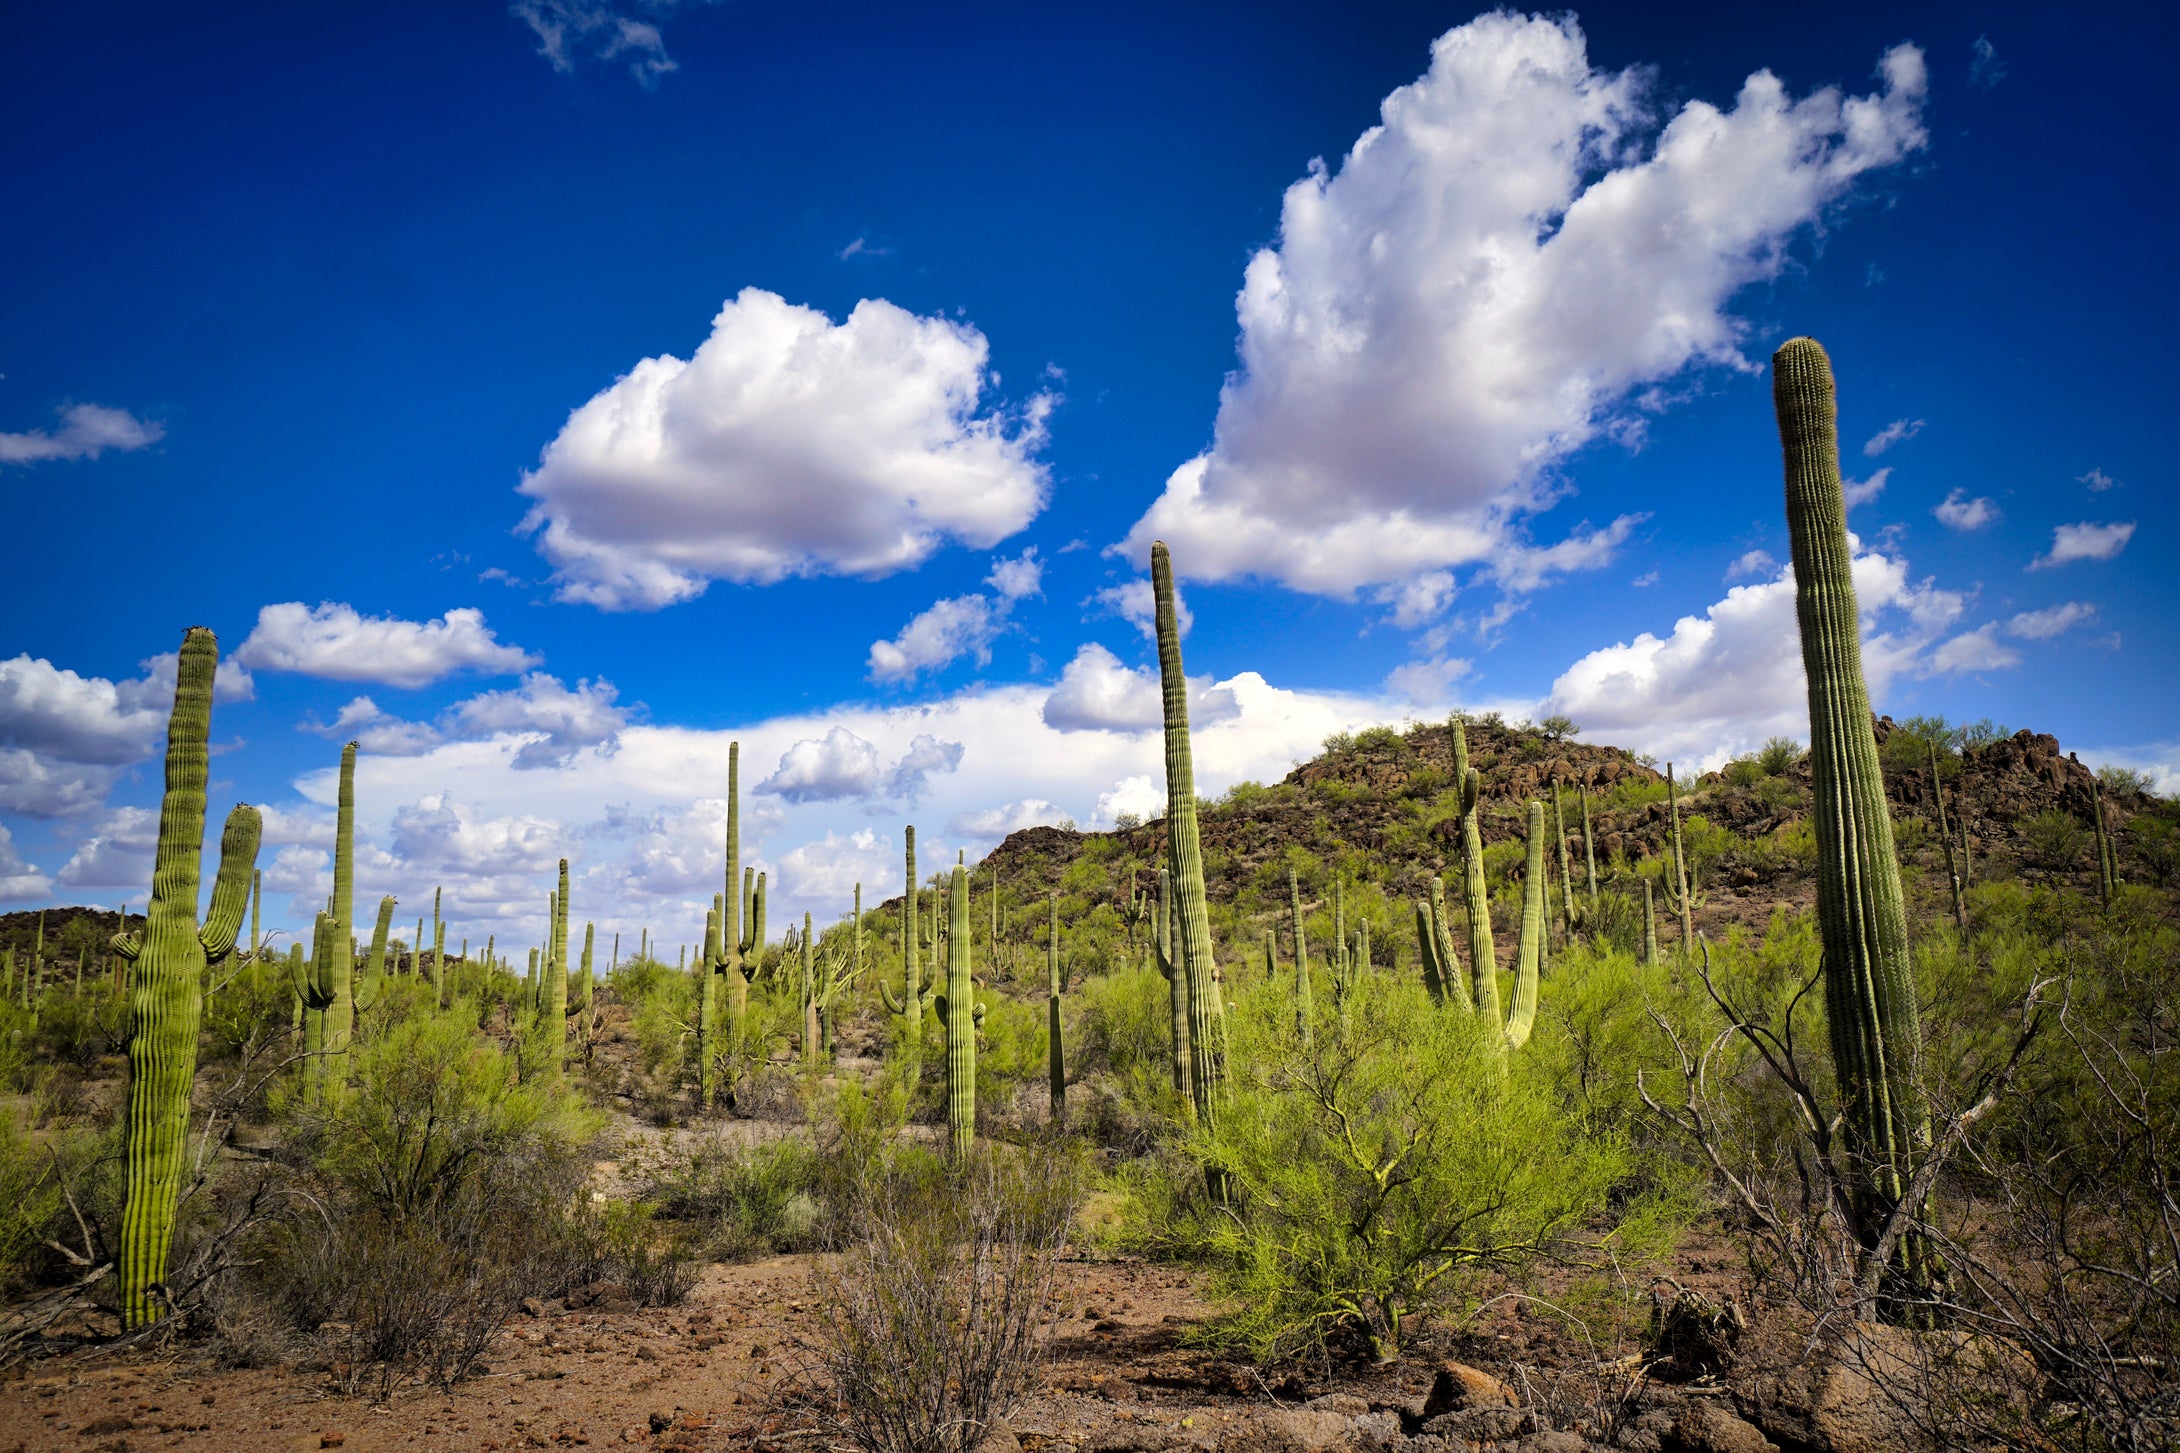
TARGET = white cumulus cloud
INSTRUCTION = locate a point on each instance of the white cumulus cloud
(337, 643)
(786, 445)
(86, 431)
(20, 881)
(962, 625)
(820, 769)
(2084, 541)
(1862, 491)
(2052, 620)
(1506, 269)
(1976, 650)
(992, 823)
(64, 737)
(1959, 512)
(1097, 693)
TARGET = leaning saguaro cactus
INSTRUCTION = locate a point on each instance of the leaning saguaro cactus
(1192, 917)
(961, 1015)
(1869, 985)
(171, 961)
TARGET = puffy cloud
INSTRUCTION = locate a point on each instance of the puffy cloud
(787, 445)
(1721, 682)
(1418, 600)
(1752, 562)
(964, 625)
(926, 756)
(2098, 481)
(1138, 796)
(1136, 603)
(829, 868)
(64, 737)
(1097, 693)
(1427, 682)
(1897, 432)
(2052, 620)
(374, 730)
(20, 881)
(86, 431)
(555, 720)
(337, 643)
(993, 823)
(1976, 650)
(1497, 275)
(2084, 541)
(1862, 491)
(1958, 512)
(117, 853)
(441, 833)
(821, 769)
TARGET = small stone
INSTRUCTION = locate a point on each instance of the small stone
(332, 1440)
(1459, 1387)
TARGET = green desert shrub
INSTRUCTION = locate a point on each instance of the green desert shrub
(2055, 841)
(1377, 1172)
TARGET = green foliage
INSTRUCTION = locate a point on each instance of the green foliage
(1377, 1171)
(1779, 755)
(1559, 728)
(2126, 782)
(2054, 840)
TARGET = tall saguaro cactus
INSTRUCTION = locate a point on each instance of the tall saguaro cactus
(1680, 858)
(1483, 955)
(1183, 847)
(1055, 1056)
(340, 1014)
(1304, 1010)
(1166, 947)
(1521, 1017)
(1869, 985)
(910, 1006)
(959, 1012)
(171, 962)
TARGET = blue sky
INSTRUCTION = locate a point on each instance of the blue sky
(546, 395)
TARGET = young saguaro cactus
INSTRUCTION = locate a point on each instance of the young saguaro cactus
(170, 964)
(961, 1016)
(1304, 1010)
(1680, 861)
(1183, 846)
(1483, 954)
(1869, 985)
(1055, 1055)
(1521, 1018)
(914, 999)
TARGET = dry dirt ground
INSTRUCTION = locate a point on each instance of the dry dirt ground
(723, 1372)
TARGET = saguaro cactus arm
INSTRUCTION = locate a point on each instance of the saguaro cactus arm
(1521, 1019)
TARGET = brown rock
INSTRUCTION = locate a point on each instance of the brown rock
(1876, 1389)
(1706, 1428)
(1459, 1387)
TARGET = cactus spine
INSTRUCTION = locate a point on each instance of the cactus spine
(1483, 955)
(960, 1015)
(1869, 983)
(1193, 918)
(910, 1006)
(1055, 1054)
(170, 963)
(1529, 950)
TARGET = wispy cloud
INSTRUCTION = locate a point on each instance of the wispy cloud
(1985, 69)
(2084, 541)
(2098, 481)
(606, 30)
(86, 431)
(2052, 620)
(1897, 432)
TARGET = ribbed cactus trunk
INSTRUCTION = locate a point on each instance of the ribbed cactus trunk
(1566, 867)
(1529, 950)
(2107, 864)
(1483, 954)
(1168, 948)
(1868, 979)
(1184, 849)
(1650, 925)
(958, 1011)
(172, 961)
(340, 1015)
(725, 974)
(1589, 844)
(1304, 1010)
(1680, 861)
(810, 1010)
(1945, 839)
(910, 1005)
(1055, 1054)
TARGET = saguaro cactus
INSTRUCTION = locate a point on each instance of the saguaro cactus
(1184, 849)
(1868, 980)
(1483, 955)
(171, 962)
(1680, 861)
(1441, 965)
(961, 1015)
(1055, 1056)
(1304, 1011)
(1166, 947)
(1650, 925)
(910, 1006)
(340, 1015)
(1521, 1018)
(2107, 862)
(1589, 844)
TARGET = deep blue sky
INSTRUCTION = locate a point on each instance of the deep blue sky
(359, 263)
